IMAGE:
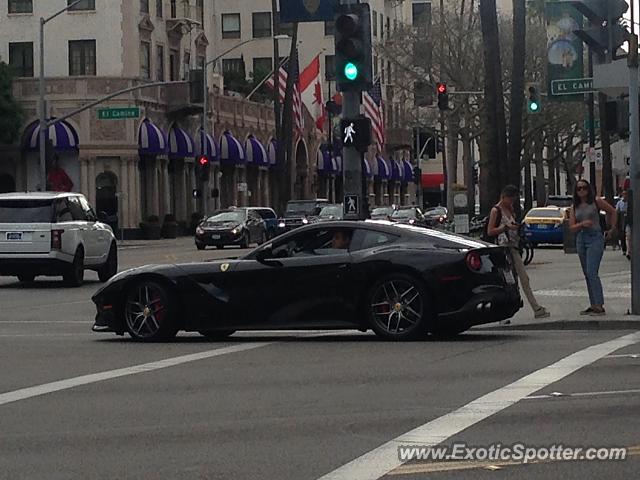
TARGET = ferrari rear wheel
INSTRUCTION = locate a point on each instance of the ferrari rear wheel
(397, 308)
(150, 312)
(216, 335)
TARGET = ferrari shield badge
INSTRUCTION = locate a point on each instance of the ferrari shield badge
(224, 267)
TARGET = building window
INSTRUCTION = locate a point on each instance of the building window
(83, 5)
(200, 12)
(159, 8)
(261, 24)
(232, 65)
(421, 14)
(20, 6)
(82, 57)
(145, 60)
(160, 63)
(174, 9)
(230, 25)
(381, 25)
(200, 62)
(262, 66)
(187, 65)
(375, 67)
(388, 27)
(285, 28)
(144, 6)
(174, 65)
(329, 28)
(329, 68)
(389, 73)
(374, 23)
(21, 58)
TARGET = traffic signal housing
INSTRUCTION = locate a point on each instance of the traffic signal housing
(534, 104)
(443, 96)
(203, 168)
(353, 50)
(606, 33)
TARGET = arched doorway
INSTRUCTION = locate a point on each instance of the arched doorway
(106, 198)
(302, 171)
(7, 183)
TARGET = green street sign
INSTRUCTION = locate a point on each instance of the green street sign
(118, 113)
(571, 86)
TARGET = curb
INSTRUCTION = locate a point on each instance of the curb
(570, 325)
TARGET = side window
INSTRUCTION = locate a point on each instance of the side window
(333, 241)
(365, 239)
(266, 214)
(253, 216)
(91, 216)
(77, 212)
(63, 213)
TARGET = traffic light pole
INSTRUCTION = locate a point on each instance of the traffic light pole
(352, 161)
(634, 197)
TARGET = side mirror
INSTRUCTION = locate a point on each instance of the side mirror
(265, 256)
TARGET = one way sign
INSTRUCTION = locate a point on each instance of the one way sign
(351, 205)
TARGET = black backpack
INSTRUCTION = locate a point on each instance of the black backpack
(485, 229)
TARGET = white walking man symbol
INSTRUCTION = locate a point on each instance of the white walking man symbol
(349, 132)
(352, 204)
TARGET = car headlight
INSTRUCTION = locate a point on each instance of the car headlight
(305, 221)
(281, 225)
(199, 231)
(412, 221)
(235, 231)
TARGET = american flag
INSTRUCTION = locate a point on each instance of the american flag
(373, 109)
(297, 100)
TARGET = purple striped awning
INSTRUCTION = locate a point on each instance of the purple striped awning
(231, 150)
(62, 135)
(272, 153)
(325, 164)
(181, 145)
(366, 168)
(151, 140)
(407, 171)
(206, 140)
(396, 170)
(255, 152)
(383, 171)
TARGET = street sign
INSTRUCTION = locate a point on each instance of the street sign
(292, 11)
(571, 86)
(351, 205)
(118, 113)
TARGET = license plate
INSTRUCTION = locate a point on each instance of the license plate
(215, 237)
(543, 226)
(508, 277)
(14, 235)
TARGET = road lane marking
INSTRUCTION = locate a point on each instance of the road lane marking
(46, 322)
(625, 355)
(584, 394)
(382, 460)
(38, 390)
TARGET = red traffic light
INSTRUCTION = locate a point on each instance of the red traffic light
(203, 161)
(442, 88)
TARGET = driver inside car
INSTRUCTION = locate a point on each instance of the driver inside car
(341, 240)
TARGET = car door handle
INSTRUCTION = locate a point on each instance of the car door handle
(344, 266)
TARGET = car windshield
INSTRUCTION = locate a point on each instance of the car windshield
(301, 208)
(560, 201)
(26, 211)
(404, 213)
(436, 211)
(236, 216)
(334, 211)
(381, 211)
(543, 213)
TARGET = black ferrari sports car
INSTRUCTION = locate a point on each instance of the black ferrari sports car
(398, 280)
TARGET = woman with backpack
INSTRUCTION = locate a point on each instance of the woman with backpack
(590, 239)
(503, 228)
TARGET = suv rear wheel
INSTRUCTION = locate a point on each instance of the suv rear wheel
(74, 276)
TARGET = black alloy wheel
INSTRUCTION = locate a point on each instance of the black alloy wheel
(150, 312)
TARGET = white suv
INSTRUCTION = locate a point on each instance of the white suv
(44, 233)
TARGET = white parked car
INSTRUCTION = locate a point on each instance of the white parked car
(47, 233)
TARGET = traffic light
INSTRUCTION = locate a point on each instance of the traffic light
(203, 168)
(440, 144)
(354, 65)
(417, 175)
(443, 97)
(606, 33)
(534, 105)
(356, 132)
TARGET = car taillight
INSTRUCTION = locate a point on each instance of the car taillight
(56, 239)
(474, 262)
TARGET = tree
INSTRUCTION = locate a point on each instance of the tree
(10, 111)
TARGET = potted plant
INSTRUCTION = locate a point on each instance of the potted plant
(151, 228)
(170, 226)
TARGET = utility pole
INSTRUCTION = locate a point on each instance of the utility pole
(592, 126)
(634, 197)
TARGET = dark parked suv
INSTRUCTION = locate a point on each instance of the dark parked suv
(300, 212)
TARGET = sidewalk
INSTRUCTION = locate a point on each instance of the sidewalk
(559, 285)
(164, 242)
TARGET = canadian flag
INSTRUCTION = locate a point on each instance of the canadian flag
(311, 92)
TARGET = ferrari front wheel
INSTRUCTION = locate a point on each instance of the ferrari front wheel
(150, 312)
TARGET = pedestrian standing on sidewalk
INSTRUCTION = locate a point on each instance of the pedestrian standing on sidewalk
(590, 239)
(503, 227)
(621, 210)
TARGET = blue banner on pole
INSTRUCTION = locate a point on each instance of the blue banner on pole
(292, 11)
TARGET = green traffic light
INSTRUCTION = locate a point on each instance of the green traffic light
(351, 71)
(534, 107)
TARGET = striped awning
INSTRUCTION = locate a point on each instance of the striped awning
(62, 135)
(255, 152)
(325, 164)
(366, 168)
(383, 170)
(272, 153)
(151, 140)
(231, 150)
(407, 172)
(209, 143)
(181, 145)
(396, 170)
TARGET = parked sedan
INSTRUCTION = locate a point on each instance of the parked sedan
(436, 216)
(409, 216)
(381, 213)
(400, 281)
(238, 226)
(545, 225)
(331, 212)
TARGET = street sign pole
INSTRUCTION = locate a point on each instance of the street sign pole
(634, 106)
(352, 159)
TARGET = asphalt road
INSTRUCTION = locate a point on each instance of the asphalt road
(297, 406)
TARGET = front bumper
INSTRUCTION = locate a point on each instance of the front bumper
(491, 303)
(551, 235)
(226, 238)
(106, 321)
(53, 263)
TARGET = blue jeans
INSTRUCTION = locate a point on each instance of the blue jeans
(590, 250)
